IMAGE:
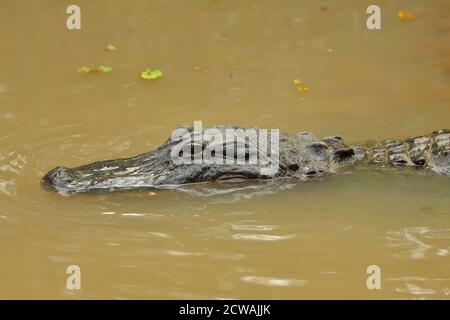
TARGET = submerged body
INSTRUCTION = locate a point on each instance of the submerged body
(302, 156)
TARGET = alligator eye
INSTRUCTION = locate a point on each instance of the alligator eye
(419, 162)
(311, 173)
(293, 167)
(318, 150)
(343, 155)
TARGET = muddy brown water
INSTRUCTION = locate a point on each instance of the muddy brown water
(223, 62)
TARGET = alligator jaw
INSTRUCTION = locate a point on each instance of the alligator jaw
(100, 177)
(61, 180)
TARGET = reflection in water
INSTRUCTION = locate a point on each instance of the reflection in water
(229, 192)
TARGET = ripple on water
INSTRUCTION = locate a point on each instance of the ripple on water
(12, 162)
(419, 286)
(262, 237)
(8, 187)
(12, 165)
(248, 227)
(232, 192)
(273, 282)
(24, 157)
(132, 214)
(3, 87)
(160, 235)
(249, 231)
(421, 239)
(183, 253)
(108, 213)
(415, 289)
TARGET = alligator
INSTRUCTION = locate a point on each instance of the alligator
(301, 156)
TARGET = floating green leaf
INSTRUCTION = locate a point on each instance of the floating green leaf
(150, 75)
(104, 69)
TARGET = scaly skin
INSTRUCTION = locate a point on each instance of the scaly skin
(430, 151)
(302, 156)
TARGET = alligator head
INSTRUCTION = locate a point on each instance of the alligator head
(160, 168)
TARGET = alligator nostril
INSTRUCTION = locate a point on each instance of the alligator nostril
(62, 173)
(58, 177)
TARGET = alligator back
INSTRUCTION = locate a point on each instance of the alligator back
(429, 151)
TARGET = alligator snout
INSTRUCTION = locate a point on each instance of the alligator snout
(58, 178)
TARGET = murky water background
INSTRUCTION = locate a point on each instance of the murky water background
(223, 62)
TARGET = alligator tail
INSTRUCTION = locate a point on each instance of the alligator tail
(429, 151)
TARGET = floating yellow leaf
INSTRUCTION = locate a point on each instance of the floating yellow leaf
(150, 75)
(110, 47)
(405, 15)
(197, 68)
(102, 69)
(303, 88)
(84, 70)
